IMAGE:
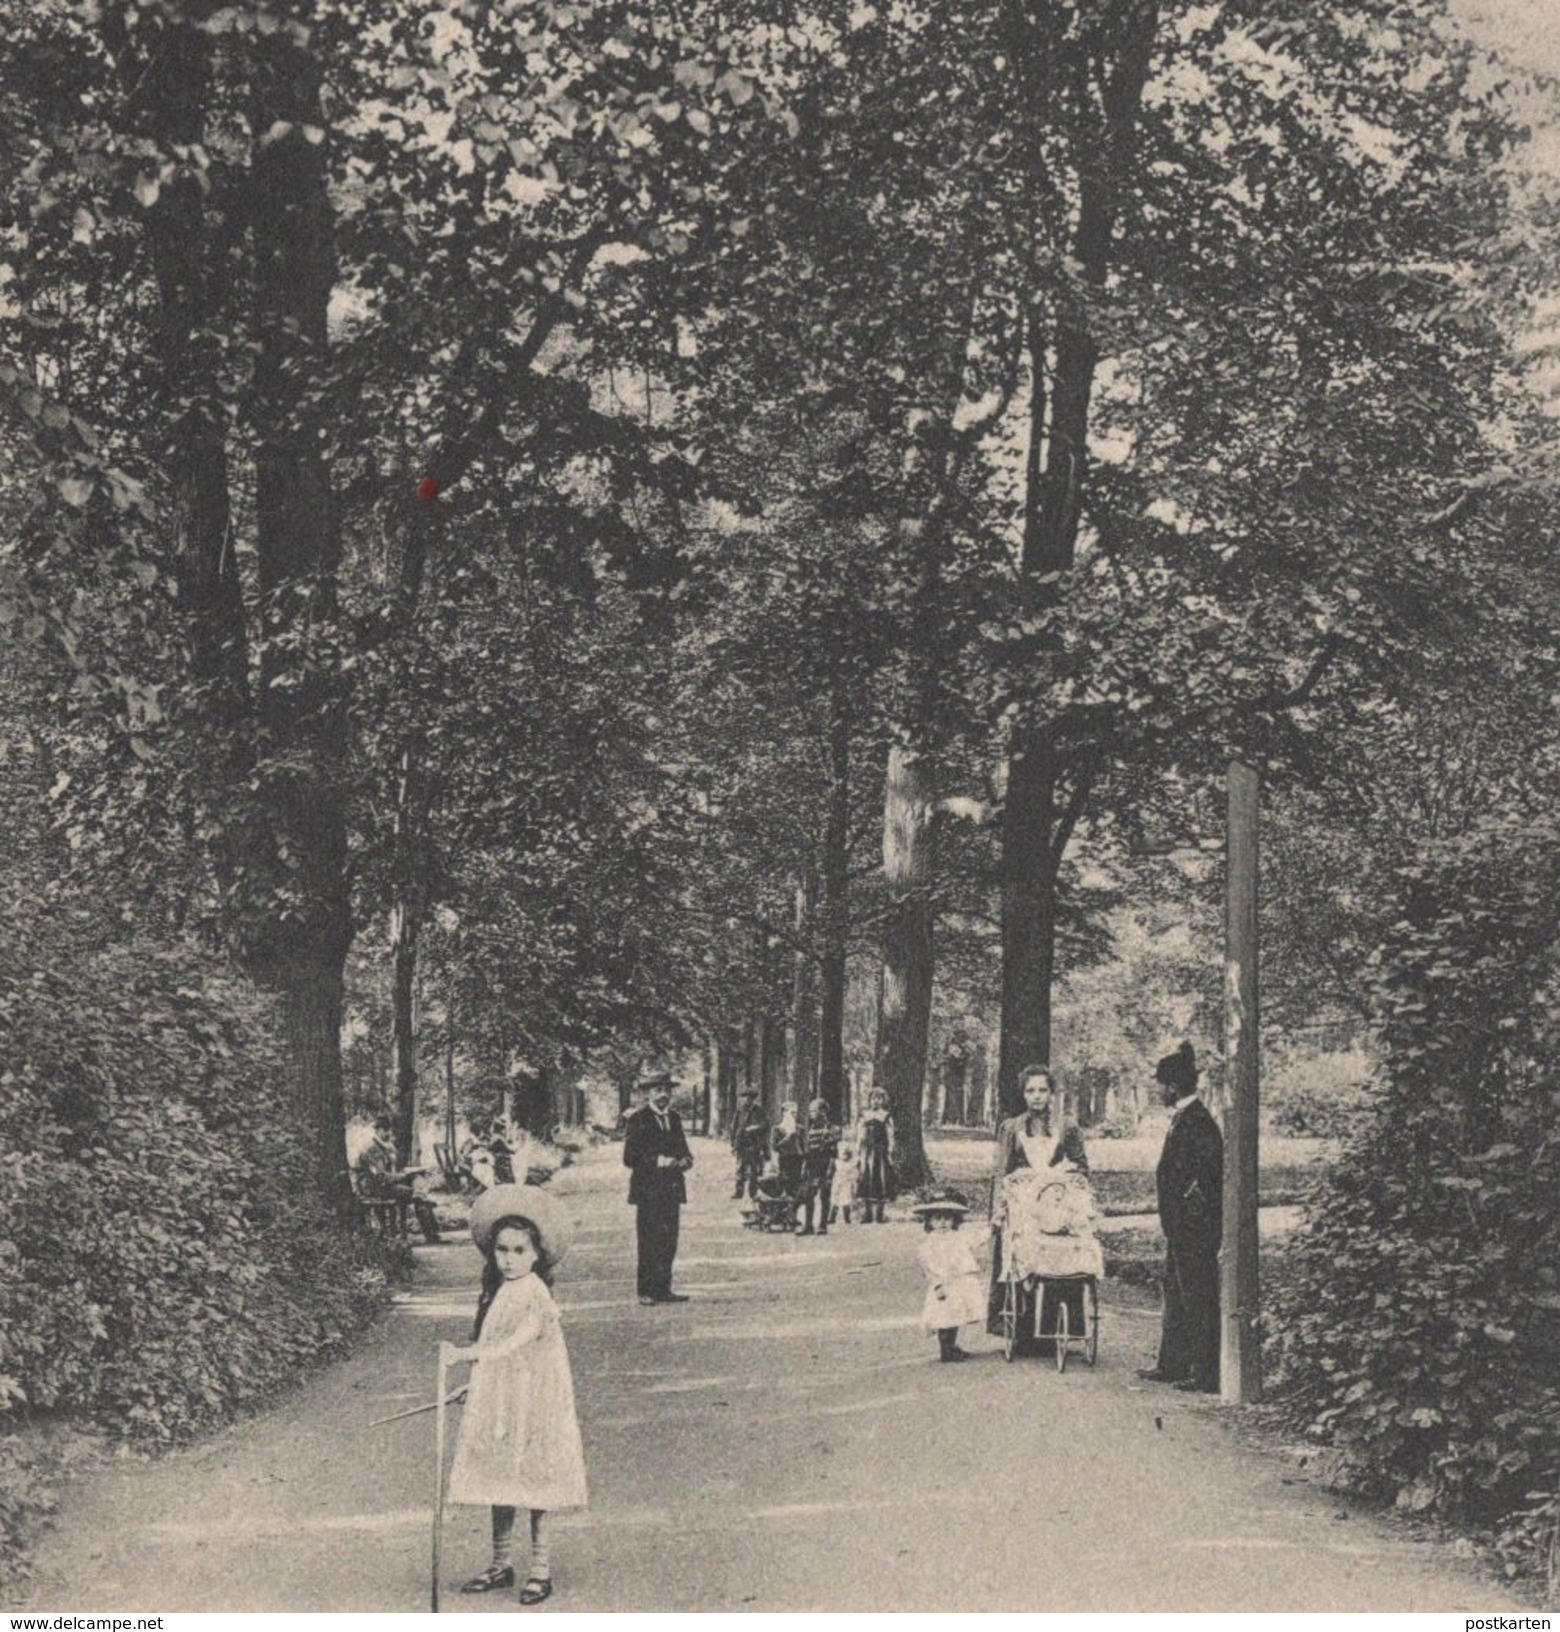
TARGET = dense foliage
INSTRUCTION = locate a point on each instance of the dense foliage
(565, 532)
(164, 1262)
(1419, 1330)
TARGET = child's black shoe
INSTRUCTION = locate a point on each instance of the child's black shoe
(535, 1591)
(494, 1578)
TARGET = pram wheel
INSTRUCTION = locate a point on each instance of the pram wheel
(1010, 1303)
(1092, 1346)
(1061, 1334)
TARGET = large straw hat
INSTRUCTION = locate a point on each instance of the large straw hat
(520, 1201)
(941, 1201)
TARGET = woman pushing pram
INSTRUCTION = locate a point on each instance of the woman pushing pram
(1048, 1262)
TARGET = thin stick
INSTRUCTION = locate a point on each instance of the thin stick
(416, 1410)
(438, 1479)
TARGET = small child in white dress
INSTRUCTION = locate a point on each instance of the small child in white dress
(519, 1443)
(845, 1179)
(955, 1281)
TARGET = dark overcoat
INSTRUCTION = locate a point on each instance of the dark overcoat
(652, 1185)
(1190, 1185)
(1189, 1180)
(657, 1194)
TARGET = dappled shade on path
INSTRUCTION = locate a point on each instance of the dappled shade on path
(784, 1441)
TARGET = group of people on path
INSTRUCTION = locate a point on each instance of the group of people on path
(1042, 1140)
(519, 1444)
(807, 1162)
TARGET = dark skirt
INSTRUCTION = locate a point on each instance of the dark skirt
(875, 1176)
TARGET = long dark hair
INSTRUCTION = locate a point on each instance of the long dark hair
(492, 1276)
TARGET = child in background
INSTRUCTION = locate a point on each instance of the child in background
(845, 1179)
(519, 1442)
(876, 1182)
(955, 1283)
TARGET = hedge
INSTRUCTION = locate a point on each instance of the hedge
(163, 1262)
(1417, 1329)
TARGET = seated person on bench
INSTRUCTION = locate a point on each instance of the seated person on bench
(380, 1179)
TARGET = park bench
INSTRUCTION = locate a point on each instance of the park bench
(383, 1214)
(456, 1175)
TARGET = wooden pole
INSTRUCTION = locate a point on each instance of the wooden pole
(1240, 1356)
(438, 1481)
(451, 1142)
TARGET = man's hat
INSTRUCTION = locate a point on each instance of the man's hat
(527, 1201)
(1179, 1070)
(650, 1084)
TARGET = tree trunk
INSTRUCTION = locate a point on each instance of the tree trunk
(404, 933)
(804, 994)
(731, 1055)
(909, 839)
(312, 1001)
(1034, 834)
(292, 922)
(771, 1050)
(1028, 882)
(835, 907)
(299, 944)
(451, 1142)
(563, 1104)
(167, 86)
(980, 1076)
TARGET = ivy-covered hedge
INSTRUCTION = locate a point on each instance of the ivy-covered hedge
(162, 1260)
(1417, 1329)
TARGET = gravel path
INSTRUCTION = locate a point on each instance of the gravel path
(785, 1441)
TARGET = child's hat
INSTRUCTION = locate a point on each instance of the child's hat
(528, 1201)
(941, 1201)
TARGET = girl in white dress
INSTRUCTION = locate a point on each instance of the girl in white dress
(519, 1442)
(955, 1284)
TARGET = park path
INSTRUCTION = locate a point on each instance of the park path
(785, 1441)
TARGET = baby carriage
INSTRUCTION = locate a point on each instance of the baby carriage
(1051, 1259)
(774, 1208)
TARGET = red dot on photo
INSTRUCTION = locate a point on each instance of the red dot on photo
(428, 488)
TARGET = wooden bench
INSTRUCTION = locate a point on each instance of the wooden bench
(456, 1176)
(382, 1214)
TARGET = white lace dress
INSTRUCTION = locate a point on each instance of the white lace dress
(519, 1443)
(956, 1286)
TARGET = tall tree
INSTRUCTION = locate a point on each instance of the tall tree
(1242, 256)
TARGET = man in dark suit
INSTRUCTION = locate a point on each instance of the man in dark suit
(655, 1150)
(1190, 1183)
(749, 1143)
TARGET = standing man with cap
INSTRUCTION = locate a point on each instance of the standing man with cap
(1190, 1183)
(749, 1143)
(820, 1151)
(656, 1152)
